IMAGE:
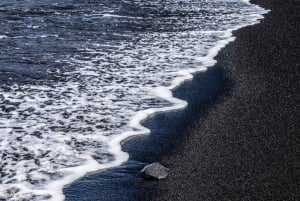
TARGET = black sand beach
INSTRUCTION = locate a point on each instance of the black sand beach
(239, 137)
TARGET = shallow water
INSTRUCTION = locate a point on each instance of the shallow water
(77, 77)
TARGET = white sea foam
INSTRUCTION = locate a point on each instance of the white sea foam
(119, 16)
(55, 133)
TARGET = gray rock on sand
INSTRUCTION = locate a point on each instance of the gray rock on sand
(155, 171)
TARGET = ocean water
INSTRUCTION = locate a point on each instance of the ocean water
(78, 76)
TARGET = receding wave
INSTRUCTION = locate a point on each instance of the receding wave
(77, 77)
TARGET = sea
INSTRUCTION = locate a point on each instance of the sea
(77, 77)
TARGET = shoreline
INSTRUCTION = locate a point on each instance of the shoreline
(191, 140)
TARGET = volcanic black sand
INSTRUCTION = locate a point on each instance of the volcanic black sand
(239, 137)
